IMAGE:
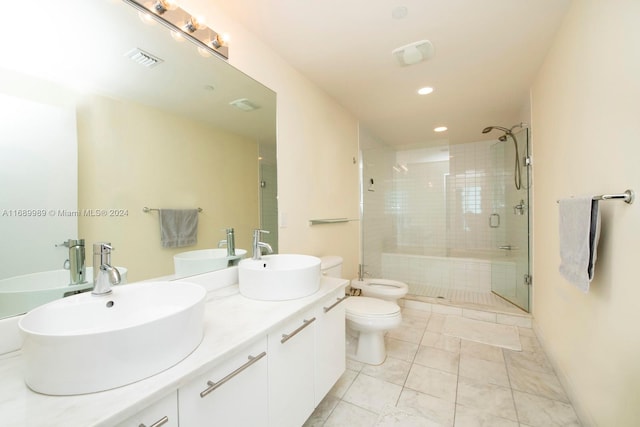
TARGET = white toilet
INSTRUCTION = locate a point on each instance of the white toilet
(367, 320)
(390, 290)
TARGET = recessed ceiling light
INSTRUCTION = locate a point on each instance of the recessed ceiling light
(440, 129)
(425, 90)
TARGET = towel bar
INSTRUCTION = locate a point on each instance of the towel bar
(146, 209)
(329, 221)
(628, 196)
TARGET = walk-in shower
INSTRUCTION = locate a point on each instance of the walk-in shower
(448, 220)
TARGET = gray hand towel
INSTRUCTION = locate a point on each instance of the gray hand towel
(178, 227)
(579, 234)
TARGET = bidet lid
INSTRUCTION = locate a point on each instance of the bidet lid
(364, 306)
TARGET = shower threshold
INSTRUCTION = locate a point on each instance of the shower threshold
(483, 301)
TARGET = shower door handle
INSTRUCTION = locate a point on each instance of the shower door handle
(508, 247)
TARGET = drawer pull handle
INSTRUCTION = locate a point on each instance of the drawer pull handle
(339, 300)
(305, 323)
(162, 421)
(213, 386)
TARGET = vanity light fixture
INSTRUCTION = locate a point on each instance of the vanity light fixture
(161, 6)
(183, 25)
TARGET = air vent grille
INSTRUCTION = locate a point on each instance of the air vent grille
(143, 58)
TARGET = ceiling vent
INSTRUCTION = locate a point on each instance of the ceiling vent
(414, 53)
(143, 58)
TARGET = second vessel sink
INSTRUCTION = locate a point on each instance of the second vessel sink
(279, 277)
(87, 343)
(203, 261)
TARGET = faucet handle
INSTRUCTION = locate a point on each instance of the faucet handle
(257, 232)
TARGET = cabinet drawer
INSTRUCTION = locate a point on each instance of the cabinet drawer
(163, 413)
(234, 393)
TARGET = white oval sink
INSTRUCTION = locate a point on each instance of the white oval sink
(87, 343)
(279, 277)
(20, 294)
(203, 261)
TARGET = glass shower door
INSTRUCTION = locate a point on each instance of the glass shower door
(509, 222)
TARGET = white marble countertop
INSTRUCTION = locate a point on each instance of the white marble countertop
(231, 321)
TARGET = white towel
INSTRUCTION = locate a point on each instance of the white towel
(579, 233)
(178, 227)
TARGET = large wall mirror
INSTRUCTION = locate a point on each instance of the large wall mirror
(90, 136)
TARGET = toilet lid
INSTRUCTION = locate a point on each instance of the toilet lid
(363, 306)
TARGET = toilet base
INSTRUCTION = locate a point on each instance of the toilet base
(366, 347)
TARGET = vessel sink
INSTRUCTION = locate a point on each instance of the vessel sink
(87, 343)
(203, 261)
(20, 294)
(279, 277)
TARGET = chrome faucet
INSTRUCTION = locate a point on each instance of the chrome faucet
(230, 243)
(104, 275)
(76, 261)
(258, 245)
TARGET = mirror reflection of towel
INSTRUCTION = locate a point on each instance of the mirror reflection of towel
(178, 227)
(579, 234)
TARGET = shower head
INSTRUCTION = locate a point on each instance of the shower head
(490, 128)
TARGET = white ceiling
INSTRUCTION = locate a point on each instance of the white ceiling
(487, 54)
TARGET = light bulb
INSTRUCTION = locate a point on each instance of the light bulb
(195, 23)
(440, 129)
(177, 36)
(425, 90)
(161, 6)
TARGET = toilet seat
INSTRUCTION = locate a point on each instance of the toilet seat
(366, 307)
(381, 287)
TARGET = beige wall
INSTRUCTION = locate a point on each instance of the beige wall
(131, 156)
(586, 140)
(317, 142)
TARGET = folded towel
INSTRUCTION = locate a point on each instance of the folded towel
(579, 233)
(178, 227)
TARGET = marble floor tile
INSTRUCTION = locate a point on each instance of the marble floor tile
(483, 370)
(488, 398)
(346, 414)
(412, 312)
(413, 335)
(533, 361)
(372, 393)
(469, 417)
(344, 382)
(438, 359)
(392, 370)
(433, 408)
(433, 382)
(539, 383)
(399, 349)
(438, 340)
(395, 417)
(433, 379)
(484, 332)
(322, 411)
(481, 351)
(537, 411)
(436, 323)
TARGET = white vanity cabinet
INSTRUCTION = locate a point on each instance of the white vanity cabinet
(234, 393)
(163, 413)
(291, 371)
(330, 349)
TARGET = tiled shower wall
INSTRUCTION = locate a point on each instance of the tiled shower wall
(432, 201)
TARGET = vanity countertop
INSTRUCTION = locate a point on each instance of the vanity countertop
(231, 321)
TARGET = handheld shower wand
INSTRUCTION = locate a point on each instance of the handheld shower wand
(517, 175)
